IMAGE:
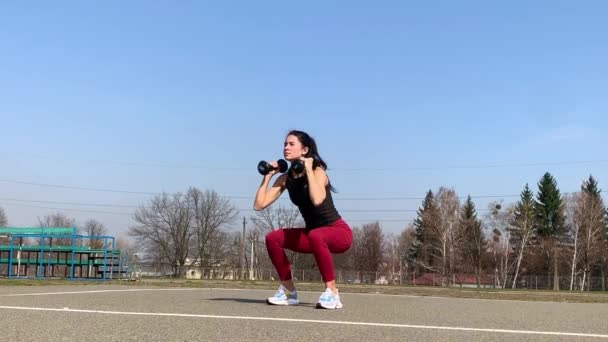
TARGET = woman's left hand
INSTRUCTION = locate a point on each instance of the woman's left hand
(308, 163)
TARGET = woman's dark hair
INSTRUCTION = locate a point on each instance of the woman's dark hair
(313, 152)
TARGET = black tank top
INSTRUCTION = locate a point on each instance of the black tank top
(314, 217)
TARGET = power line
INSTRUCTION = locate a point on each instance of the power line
(66, 209)
(78, 188)
(236, 197)
(156, 164)
(146, 164)
(488, 166)
(71, 203)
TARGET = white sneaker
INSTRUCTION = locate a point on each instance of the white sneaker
(329, 300)
(283, 297)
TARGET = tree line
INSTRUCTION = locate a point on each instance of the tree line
(563, 239)
(560, 238)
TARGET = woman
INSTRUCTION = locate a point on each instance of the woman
(325, 232)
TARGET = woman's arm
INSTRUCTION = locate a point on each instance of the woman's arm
(317, 181)
(265, 197)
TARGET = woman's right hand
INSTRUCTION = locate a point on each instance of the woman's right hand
(274, 170)
(264, 196)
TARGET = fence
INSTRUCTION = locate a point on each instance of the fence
(530, 282)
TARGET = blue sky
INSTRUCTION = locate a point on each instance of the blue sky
(402, 97)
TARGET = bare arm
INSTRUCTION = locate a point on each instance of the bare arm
(317, 181)
(264, 196)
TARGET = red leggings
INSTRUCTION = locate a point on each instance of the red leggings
(321, 242)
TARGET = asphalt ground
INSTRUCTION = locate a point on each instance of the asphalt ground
(153, 313)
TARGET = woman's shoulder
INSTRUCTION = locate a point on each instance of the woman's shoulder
(281, 180)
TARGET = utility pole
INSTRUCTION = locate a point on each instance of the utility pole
(555, 269)
(243, 250)
(254, 234)
(251, 276)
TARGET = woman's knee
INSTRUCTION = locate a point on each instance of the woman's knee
(316, 236)
(274, 237)
(319, 241)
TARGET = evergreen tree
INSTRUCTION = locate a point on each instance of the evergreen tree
(420, 248)
(594, 193)
(550, 220)
(590, 187)
(474, 241)
(548, 207)
(419, 223)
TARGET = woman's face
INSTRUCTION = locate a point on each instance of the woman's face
(293, 148)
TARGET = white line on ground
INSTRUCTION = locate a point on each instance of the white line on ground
(388, 325)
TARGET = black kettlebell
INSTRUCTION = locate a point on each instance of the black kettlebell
(264, 167)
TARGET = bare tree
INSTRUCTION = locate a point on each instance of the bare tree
(393, 256)
(95, 228)
(226, 251)
(211, 213)
(366, 254)
(126, 245)
(3, 219)
(523, 228)
(279, 217)
(164, 229)
(218, 252)
(373, 239)
(357, 252)
(128, 252)
(269, 219)
(605, 252)
(396, 249)
(234, 250)
(58, 220)
(498, 220)
(590, 216)
(406, 238)
(446, 233)
(571, 202)
(4, 223)
(496, 247)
